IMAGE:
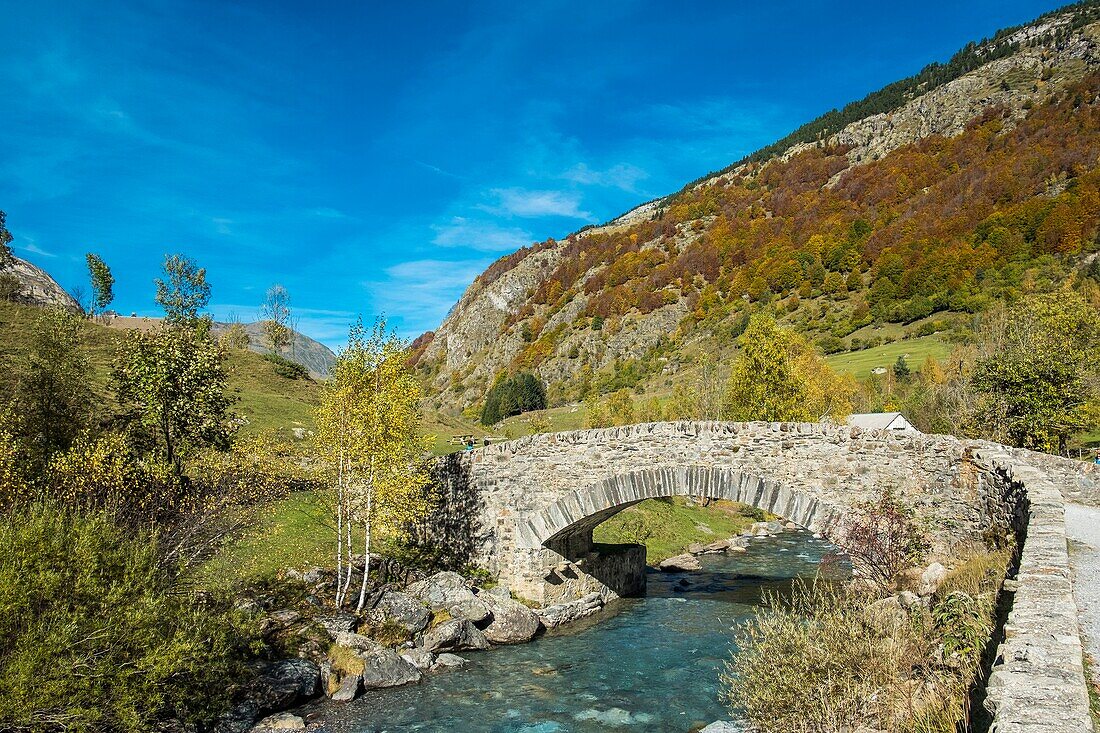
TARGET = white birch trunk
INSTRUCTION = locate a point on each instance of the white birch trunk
(366, 542)
(339, 525)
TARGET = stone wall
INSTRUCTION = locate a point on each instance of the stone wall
(1037, 684)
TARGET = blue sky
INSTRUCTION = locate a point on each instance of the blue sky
(374, 157)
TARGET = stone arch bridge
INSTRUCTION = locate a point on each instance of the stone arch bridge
(525, 510)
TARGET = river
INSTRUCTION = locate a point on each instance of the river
(643, 664)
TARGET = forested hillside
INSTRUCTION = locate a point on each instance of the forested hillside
(981, 189)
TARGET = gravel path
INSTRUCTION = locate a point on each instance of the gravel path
(1083, 530)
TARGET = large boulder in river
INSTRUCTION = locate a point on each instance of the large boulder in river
(447, 591)
(513, 623)
(563, 613)
(348, 689)
(418, 657)
(402, 608)
(680, 563)
(383, 667)
(455, 635)
(364, 663)
(280, 722)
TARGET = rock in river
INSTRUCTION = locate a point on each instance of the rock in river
(383, 667)
(680, 563)
(513, 623)
(419, 658)
(448, 591)
(454, 636)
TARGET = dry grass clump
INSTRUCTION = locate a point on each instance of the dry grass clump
(833, 658)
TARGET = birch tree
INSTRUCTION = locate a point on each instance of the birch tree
(368, 428)
(276, 313)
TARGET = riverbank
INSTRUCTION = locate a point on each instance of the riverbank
(649, 663)
(416, 631)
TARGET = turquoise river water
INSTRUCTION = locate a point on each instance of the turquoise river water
(644, 664)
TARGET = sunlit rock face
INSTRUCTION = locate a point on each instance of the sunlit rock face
(38, 288)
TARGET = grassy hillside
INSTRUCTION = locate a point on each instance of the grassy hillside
(867, 238)
(860, 363)
(290, 533)
(265, 399)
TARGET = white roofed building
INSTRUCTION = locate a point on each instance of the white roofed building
(882, 421)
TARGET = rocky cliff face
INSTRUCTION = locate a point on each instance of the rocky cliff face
(38, 288)
(507, 320)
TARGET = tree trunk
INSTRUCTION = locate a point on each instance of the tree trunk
(339, 526)
(366, 547)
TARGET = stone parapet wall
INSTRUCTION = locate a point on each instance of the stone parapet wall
(1078, 481)
(1037, 684)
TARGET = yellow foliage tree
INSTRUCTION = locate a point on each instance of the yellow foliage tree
(779, 377)
(368, 430)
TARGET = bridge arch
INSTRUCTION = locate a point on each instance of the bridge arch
(570, 520)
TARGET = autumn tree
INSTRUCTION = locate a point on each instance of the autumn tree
(52, 401)
(103, 283)
(779, 377)
(10, 285)
(171, 384)
(620, 407)
(1039, 379)
(275, 311)
(183, 291)
(595, 413)
(6, 256)
(235, 336)
(368, 428)
(683, 404)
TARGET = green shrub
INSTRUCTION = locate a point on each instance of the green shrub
(754, 513)
(286, 368)
(97, 637)
(523, 392)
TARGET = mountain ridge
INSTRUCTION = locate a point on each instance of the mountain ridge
(507, 319)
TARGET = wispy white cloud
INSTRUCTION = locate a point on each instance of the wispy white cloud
(34, 249)
(421, 292)
(623, 176)
(437, 169)
(525, 203)
(482, 235)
